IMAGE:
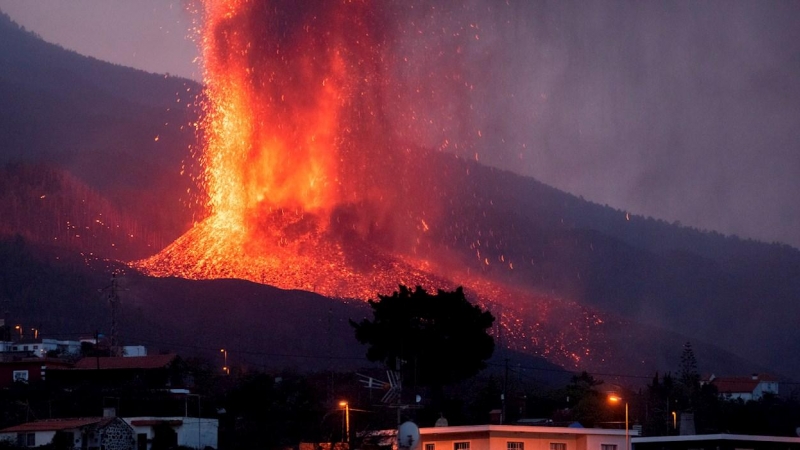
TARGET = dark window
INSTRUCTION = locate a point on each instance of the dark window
(26, 439)
(141, 441)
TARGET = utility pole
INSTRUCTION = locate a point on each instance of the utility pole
(503, 397)
(113, 298)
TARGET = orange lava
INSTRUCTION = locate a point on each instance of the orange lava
(301, 172)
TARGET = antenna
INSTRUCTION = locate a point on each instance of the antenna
(408, 436)
(113, 298)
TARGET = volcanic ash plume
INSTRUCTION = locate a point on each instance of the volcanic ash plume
(310, 179)
(301, 171)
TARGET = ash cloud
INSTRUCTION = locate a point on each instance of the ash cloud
(683, 111)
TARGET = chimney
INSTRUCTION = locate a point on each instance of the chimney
(754, 377)
(495, 416)
(109, 412)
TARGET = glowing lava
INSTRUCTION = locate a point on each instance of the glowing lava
(307, 188)
(296, 152)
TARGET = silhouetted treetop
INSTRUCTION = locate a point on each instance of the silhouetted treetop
(440, 338)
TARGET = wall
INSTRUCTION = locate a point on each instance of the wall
(187, 432)
(539, 440)
(42, 437)
(194, 428)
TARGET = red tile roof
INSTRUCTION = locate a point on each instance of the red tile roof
(127, 362)
(739, 385)
(56, 424)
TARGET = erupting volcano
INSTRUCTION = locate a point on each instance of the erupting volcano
(316, 177)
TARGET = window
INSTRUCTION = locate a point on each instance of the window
(515, 446)
(460, 445)
(608, 446)
(141, 441)
(26, 439)
(20, 375)
(558, 446)
(430, 446)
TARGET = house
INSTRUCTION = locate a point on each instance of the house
(716, 442)
(28, 370)
(745, 388)
(42, 346)
(107, 433)
(515, 437)
(155, 372)
(191, 432)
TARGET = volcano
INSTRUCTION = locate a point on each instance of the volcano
(309, 187)
(334, 162)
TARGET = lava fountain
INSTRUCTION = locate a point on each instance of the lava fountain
(309, 181)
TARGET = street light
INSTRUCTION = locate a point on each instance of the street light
(225, 361)
(19, 328)
(346, 407)
(617, 399)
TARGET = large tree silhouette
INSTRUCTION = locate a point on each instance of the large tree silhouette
(441, 339)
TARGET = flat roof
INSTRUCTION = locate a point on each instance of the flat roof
(715, 437)
(523, 429)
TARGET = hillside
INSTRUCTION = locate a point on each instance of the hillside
(123, 132)
(83, 134)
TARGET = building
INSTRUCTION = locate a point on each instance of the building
(515, 437)
(716, 442)
(191, 432)
(107, 433)
(155, 372)
(745, 388)
(28, 370)
(41, 347)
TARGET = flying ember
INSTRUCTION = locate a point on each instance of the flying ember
(316, 179)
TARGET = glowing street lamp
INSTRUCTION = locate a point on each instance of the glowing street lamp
(35, 333)
(617, 399)
(346, 417)
(225, 367)
(19, 328)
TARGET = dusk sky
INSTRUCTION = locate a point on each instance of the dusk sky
(683, 111)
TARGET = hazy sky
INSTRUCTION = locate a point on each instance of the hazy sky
(152, 35)
(679, 110)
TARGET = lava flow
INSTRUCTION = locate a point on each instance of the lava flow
(308, 184)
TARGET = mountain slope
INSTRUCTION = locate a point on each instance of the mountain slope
(123, 132)
(100, 122)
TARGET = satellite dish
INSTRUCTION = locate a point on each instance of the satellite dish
(408, 436)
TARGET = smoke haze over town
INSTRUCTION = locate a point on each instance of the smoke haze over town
(681, 111)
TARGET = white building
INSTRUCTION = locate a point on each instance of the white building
(514, 437)
(749, 388)
(716, 442)
(109, 433)
(191, 432)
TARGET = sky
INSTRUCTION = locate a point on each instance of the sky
(682, 111)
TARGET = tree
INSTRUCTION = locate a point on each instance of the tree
(689, 375)
(441, 339)
(586, 405)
